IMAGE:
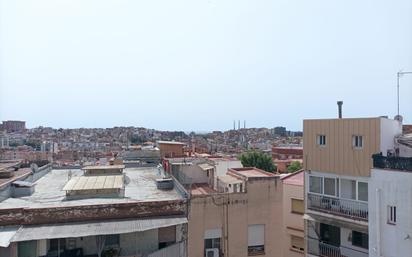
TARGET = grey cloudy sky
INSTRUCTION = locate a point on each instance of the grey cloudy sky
(200, 64)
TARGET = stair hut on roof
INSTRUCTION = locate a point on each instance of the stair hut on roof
(103, 170)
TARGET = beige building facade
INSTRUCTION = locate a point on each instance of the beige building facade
(338, 162)
(293, 211)
(237, 224)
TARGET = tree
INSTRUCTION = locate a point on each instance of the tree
(294, 166)
(258, 160)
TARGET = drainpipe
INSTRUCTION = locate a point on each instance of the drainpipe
(378, 222)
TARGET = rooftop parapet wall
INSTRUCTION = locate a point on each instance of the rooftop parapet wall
(36, 216)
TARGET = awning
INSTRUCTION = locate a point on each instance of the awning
(6, 235)
(205, 166)
(353, 225)
(67, 230)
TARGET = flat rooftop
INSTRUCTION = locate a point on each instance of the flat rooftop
(19, 174)
(201, 189)
(252, 172)
(140, 186)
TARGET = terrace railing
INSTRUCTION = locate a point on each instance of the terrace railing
(338, 206)
(392, 162)
(322, 249)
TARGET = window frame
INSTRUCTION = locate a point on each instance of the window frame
(291, 206)
(321, 184)
(256, 249)
(293, 248)
(321, 140)
(361, 236)
(391, 215)
(357, 141)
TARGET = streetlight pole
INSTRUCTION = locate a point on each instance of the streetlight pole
(399, 75)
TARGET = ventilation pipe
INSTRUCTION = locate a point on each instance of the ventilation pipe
(340, 103)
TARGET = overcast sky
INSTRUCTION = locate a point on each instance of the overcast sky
(199, 65)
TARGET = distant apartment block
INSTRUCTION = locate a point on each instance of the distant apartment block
(170, 149)
(284, 155)
(13, 126)
(338, 161)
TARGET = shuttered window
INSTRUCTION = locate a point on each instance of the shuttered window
(297, 243)
(256, 239)
(298, 206)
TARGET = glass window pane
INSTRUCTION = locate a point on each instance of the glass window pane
(315, 184)
(330, 186)
(348, 189)
(363, 191)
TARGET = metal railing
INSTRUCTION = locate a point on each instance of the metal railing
(322, 249)
(338, 206)
(392, 162)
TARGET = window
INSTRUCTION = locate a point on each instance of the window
(212, 240)
(256, 239)
(297, 243)
(348, 189)
(297, 206)
(363, 191)
(321, 139)
(392, 215)
(315, 184)
(357, 141)
(360, 239)
(330, 186)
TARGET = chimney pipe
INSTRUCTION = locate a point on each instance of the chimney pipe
(340, 103)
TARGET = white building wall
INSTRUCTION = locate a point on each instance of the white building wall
(395, 189)
(389, 129)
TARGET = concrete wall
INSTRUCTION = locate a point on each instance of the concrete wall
(262, 204)
(395, 189)
(293, 224)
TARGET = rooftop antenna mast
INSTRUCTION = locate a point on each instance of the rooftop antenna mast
(399, 75)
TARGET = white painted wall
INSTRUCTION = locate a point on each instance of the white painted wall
(389, 129)
(395, 189)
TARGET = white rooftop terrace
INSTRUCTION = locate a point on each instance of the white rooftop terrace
(140, 186)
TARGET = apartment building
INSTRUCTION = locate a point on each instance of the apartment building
(293, 211)
(390, 205)
(242, 218)
(97, 211)
(338, 162)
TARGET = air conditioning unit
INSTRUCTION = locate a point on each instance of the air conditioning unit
(212, 252)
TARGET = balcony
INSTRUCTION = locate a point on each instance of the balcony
(338, 206)
(392, 162)
(322, 249)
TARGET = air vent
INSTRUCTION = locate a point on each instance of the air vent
(165, 183)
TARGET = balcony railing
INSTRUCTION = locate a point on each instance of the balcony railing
(321, 249)
(338, 206)
(392, 162)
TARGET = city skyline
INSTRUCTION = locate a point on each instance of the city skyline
(197, 66)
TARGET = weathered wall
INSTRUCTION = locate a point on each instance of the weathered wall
(22, 216)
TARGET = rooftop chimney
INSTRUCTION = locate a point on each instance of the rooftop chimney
(340, 103)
